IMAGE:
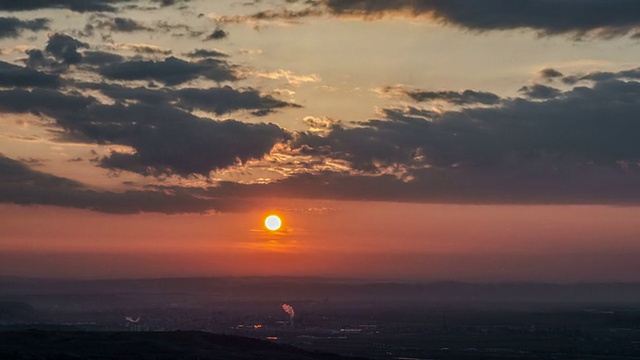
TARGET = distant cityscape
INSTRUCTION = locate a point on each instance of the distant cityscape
(367, 325)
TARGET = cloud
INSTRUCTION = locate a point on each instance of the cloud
(465, 97)
(170, 71)
(74, 5)
(217, 34)
(117, 24)
(182, 144)
(219, 100)
(291, 78)
(633, 74)
(61, 51)
(320, 123)
(572, 128)
(576, 147)
(524, 185)
(65, 48)
(283, 16)
(177, 30)
(203, 53)
(595, 18)
(568, 144)
(122, 93)
(37, 59)
(41, 101)
(23, 186)
(31, 161)
(142, 48)
(164, 139)
(226, 99)
(13, 27)
(549, 73)
(164, 3)
(600, 18)
(17, 76)
(101, 58)
(538, 91)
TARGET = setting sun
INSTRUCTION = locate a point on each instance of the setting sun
(272, 222)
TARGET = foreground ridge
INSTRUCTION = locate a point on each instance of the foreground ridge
(38, 344)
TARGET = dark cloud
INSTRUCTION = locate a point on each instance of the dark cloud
(177, 30)
(602, 18)
(12, 27)
(101, 58)
(63, 51)
(457, 98)
(42, 101)
(577, 147)
(538, 91)
(376, 143)
(633, 74)
(203, 53)
(226, 99)
(126, 25)
(31, 161)
(164, 3)
(17, 76)
(170, 71)
(219, 100)
(597, 18)
(37, 59)
(122, 93)
(119, 24)
(217, 34)
(23, 186)
(183, 144)
(145, 49)
(549, 73)
(589, 184)
(74, 5)
(286, 15)
(582, 126)
(320, 123)
(166, 140)
(65, 48)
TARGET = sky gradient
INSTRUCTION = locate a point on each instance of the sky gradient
(471, 140)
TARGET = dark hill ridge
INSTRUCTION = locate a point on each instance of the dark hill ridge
(183, 345)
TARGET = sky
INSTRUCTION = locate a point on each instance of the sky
(421, 140)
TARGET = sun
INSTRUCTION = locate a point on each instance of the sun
(272, 222)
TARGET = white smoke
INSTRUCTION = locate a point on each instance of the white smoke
(132, 320)
(289, 310)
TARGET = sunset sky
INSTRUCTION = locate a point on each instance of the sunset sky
(474, 140)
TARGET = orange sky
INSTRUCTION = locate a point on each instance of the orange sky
(329, 238)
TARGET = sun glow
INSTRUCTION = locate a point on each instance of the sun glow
(272, 222)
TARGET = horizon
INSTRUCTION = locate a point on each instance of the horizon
(326, 280)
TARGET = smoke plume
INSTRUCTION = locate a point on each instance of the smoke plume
(132, 320)
(289, 310)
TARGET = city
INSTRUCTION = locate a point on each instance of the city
(347, 317)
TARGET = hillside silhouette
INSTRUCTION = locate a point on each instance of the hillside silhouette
(183, 345)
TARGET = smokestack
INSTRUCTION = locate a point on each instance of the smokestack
(289, 310)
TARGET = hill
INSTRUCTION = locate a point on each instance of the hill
(183, 345)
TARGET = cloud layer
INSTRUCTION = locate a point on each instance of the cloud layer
(12, 27)
(578, 19)
(23, 186)
(602, 18)
(564, 137)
